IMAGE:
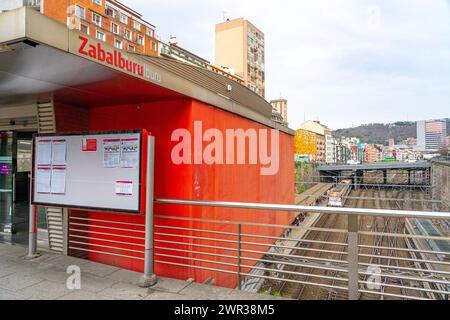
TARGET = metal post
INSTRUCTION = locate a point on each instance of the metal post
(353, 276)
(32, 236)
(239, 255)
(149, 277)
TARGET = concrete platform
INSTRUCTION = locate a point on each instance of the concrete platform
(45, 278)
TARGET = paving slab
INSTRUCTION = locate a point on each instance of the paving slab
(127, 276)
(98, 269)
(170, 285)
(124, 291)
(94, 283)
(15, 281)
(82, 295)
(12, 250)
(45, 290)
(11, 295)
(160, 295)
(62, 262)
(45, 278)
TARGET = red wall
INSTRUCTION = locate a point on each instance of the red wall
(242, 183)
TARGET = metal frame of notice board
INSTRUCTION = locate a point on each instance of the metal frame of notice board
(143, 137)
(145, 196)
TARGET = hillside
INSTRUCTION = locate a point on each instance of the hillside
(379, 133)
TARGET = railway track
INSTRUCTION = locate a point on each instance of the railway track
(382, 252)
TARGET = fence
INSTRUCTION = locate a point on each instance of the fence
(327, 253)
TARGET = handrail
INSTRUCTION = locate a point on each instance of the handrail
(296, 208)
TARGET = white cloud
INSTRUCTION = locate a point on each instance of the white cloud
(342, 61)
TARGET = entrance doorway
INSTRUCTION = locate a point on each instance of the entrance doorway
(15, 169)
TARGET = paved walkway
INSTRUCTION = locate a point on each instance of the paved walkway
(45, 279)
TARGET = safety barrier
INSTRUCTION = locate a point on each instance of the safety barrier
(347, 253)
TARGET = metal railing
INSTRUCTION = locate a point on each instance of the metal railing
(326, 253)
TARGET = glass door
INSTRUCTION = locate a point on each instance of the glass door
(6, 182)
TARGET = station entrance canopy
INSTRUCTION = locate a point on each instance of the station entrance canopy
(40, 56)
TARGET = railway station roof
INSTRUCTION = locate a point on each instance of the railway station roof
(377, 166)
(40, 56)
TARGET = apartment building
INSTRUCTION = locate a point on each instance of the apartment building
(107, 20)
(431, 134)
(373, 153)
(240, 46)
(281, 105)
(322, 132)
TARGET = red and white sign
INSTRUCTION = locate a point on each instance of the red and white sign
(89, 145)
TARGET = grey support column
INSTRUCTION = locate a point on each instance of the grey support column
(149, 277)
(32, 236)
(353, 277)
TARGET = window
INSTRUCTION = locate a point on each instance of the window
(118, 44)
(123, 19)
(109, 12)
(137, 25)
(97, 19)
(100, 35)
(131, 48)
(114, 28)
(98, 2)
(80, 12)
(140, 40)
(127, 34)
(84, 29)
(150, 32)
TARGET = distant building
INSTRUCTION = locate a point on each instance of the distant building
(281, 106)
(343, 151)
(240, 46)
(278, 118)
(391, 142)
(324, 140)
(306, 144)
(373, 153)
(431, 134)
(410, 142)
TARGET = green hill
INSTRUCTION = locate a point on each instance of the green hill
(380, 133)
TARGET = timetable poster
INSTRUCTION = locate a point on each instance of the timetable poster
(129, 157)
(43, 180)
(59, 149)
(44, 152)
(58, 180)
(111, 153)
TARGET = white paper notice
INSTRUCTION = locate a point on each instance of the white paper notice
(59, 149)
(111, 153)
(43, 180)
(124, 188)
(129, 153)
(58, 181)
(44, 152)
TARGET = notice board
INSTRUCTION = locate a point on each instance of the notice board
(90, 171)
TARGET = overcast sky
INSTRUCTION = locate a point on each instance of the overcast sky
(344, 62)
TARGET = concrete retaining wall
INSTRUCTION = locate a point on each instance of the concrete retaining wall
(441, 180)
